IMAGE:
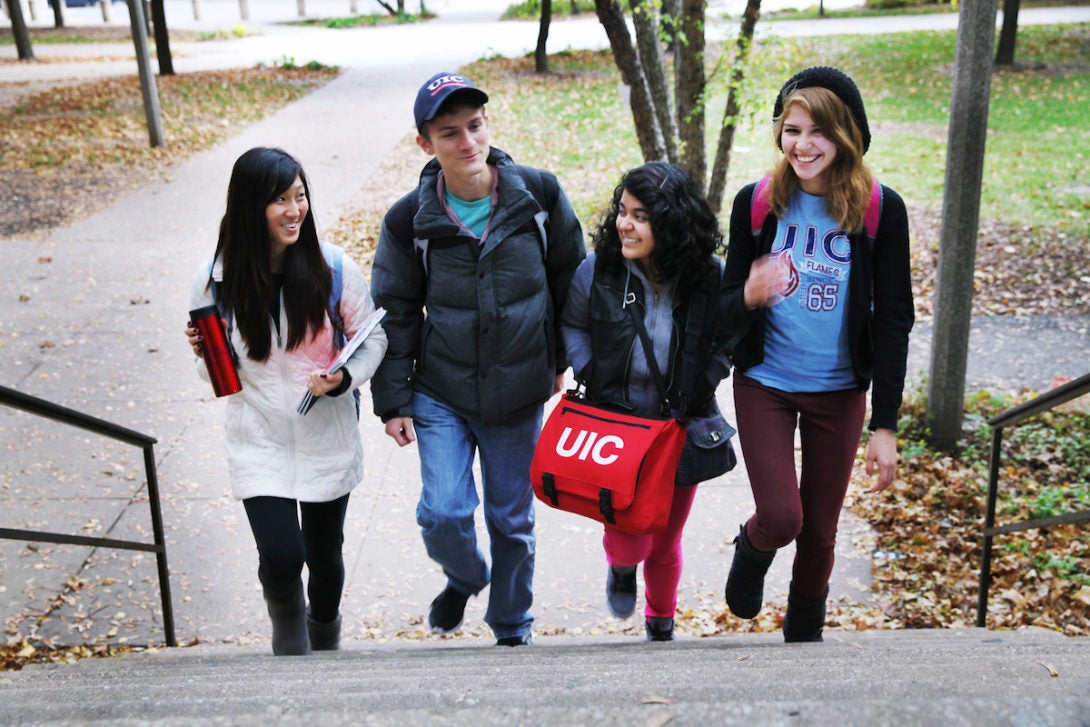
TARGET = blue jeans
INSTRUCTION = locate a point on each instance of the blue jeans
(447, 442)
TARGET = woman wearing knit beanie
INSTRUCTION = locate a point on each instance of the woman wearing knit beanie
(817, 290)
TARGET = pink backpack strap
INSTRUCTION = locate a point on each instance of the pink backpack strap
(874, 211)
(758, 209)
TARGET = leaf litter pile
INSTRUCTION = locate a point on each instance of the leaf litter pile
(70, 150)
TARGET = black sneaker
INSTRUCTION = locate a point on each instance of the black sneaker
(526, 640)
(659, 629)
(447, 611)
(621, 591)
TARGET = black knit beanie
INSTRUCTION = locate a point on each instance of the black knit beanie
(833, 80)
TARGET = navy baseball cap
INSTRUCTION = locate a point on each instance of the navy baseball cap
(437, 90)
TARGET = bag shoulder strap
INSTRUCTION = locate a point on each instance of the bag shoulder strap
(758, 207)
(873, 215)
(648, 350)
(334, 257)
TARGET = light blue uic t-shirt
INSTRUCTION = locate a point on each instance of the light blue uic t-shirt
(806, 337)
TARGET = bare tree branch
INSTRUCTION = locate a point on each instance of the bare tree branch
(742, 46)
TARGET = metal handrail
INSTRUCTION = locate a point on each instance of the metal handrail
(1010, 417)
(49, 410)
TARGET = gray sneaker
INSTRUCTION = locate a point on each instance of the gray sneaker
(621, 591)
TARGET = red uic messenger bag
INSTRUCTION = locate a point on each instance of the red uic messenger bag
(612, 467)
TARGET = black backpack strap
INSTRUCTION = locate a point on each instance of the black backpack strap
(544, 186)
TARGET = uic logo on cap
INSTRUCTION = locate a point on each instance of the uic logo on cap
(444, 80)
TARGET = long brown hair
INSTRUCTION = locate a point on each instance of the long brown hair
(849, 179)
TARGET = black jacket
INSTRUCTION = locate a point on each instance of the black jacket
(478, 329)
(613, 338)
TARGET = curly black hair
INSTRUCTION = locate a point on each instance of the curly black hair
(686, 231)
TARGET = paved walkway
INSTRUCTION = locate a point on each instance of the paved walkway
(91, 317)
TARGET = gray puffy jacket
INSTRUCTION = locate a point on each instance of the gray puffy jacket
(478, 329)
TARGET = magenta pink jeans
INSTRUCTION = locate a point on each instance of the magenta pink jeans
(802, 507)
(660, 554)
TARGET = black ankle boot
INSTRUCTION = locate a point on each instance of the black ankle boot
(289, 623)
(324, 636)
(746, 581)
(659, 628)
(805, 617)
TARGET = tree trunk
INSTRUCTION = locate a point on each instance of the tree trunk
(58, 12)
(670, 17)
(1008, 36)
(960, 221)
(742, 47)
(645, 20)
(691, 84)
(389, 8)
(648, 132)
(19, 31)
(162, 38)
(541, 56)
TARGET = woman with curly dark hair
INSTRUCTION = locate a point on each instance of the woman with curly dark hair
(641, 333)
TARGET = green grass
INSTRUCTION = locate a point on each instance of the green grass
(575, 121)
(368, 20)
(531, 9)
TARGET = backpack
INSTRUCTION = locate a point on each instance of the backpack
(758, 211)
(543, 187)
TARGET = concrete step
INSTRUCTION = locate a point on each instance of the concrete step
(949, 677)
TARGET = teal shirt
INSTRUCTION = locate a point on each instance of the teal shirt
(474, 215)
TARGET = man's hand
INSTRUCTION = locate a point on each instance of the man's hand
(401, 429)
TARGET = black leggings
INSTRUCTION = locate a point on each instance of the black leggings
(283, 547)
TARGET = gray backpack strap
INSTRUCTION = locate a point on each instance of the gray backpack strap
(546, 191)
(421, 247)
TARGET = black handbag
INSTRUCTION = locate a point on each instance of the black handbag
(708, 451)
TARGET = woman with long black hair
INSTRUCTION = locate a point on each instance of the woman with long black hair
(288, 303)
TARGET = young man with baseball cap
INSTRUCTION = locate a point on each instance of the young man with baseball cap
(472, 267)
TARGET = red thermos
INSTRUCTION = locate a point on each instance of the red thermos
(217, 354)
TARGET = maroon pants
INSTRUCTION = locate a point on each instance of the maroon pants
(805, 507)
